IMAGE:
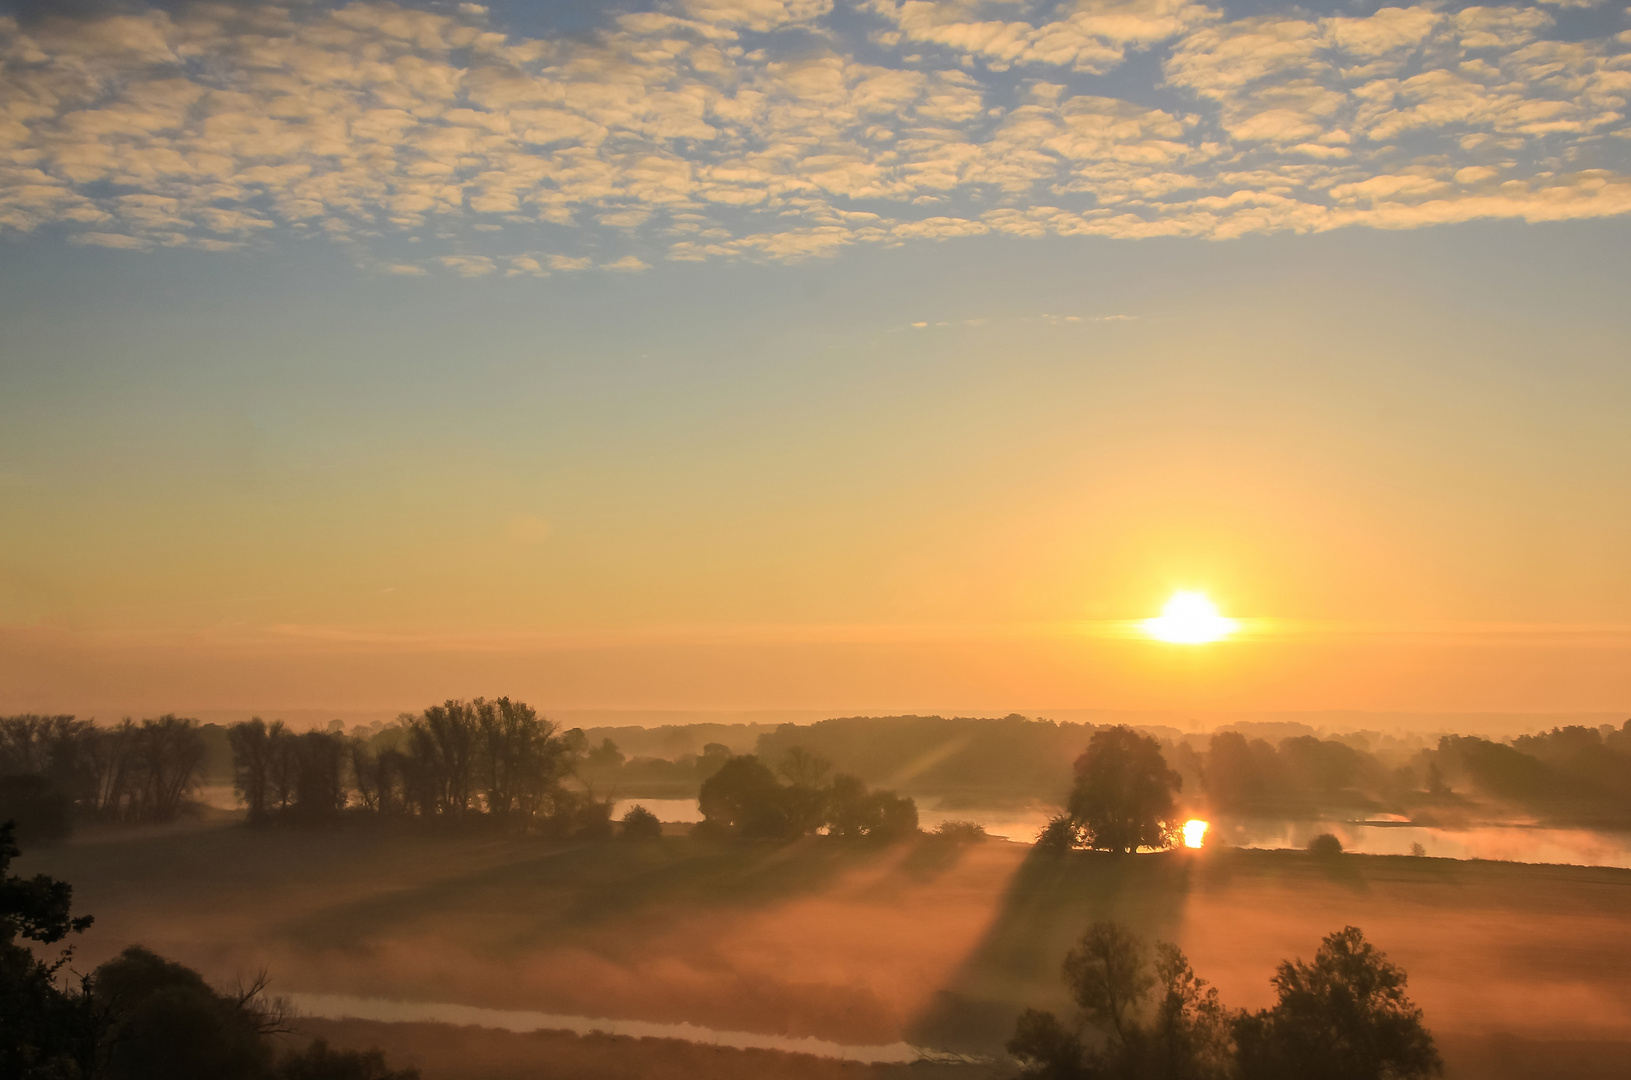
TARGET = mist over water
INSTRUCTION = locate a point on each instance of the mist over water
(1519, 843)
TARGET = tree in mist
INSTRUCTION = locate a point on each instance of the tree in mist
(523, 761)
(1181, 1032)
(604, 757)
(1122, 797)
(745, 798)
(252, 743)
(853, 812)
(131, 772)
(1346, 1016)
(806, 799)
(497, 763)
(1325, 846)
(1107, 977)
(641, 824)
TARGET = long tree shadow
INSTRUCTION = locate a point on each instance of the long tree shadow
(555, 893)
(1051, 899)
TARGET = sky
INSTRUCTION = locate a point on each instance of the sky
(849, 356)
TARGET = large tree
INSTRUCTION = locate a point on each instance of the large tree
(1122, 797)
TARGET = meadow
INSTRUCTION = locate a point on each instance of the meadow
(1518, 967)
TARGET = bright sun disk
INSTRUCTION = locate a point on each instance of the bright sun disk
(1189, 619)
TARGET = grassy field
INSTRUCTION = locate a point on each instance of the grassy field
(1518, 967)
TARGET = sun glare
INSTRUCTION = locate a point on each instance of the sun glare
(1194, 832)
(1189, 619)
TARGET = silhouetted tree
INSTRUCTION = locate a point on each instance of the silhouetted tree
(1325, 846)
(45, 1031)
(1190, 1034)
(603, 757)
(167, 1023)
(641, 824)
(1106, 976)
(252, 764)
(1186, 1035)
(1344, 1017)
(1122, 797)
(1059, 835)
(1046, 1050)
(854, 812)
(743, 798)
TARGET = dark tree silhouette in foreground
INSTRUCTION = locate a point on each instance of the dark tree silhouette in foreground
(45, 1031)
(1344, 1017)
(138, 1016)
(1122, 797)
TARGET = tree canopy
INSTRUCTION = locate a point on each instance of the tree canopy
(1122, 797)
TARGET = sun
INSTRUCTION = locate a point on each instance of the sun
(1189, 619)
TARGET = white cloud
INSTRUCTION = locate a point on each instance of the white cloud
(672, 134)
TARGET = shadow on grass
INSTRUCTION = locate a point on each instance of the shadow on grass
(551, 893)
(1051, 899)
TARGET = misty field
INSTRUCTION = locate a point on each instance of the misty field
(1522, 970)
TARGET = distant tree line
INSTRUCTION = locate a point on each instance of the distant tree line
(746, 798)
(58, 769)
(1345, 1016)
(494, 763)
(138, 1016)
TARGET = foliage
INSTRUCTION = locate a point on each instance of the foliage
(1106, 976)
(1325, 846)
(641, 824)
(745, 798)
(45, 1031)
(1059, 835)
(53, 768)
(961, 832)
(167, 1022)
(1344, 1017)
(1122, 797)
(497, 762)
(1045, 1050)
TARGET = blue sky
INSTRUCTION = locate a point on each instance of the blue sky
(1091, 315)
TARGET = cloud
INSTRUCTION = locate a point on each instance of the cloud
(786, 129)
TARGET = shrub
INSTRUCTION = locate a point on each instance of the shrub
(1325, 846)
(641, 824)
(961, 832)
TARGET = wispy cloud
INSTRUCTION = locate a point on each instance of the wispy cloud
(786, 129)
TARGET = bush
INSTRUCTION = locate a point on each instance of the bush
(641, 824)
(1325, 846)
(1059, 835)
(961, 832)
